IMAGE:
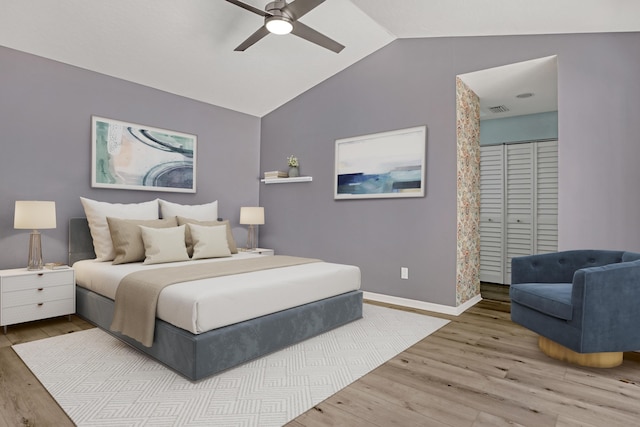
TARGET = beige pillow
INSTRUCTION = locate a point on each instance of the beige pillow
(97, 213)
(230, 240)
(164, 244)
(204, 212)
(209, 241)
(127, 236)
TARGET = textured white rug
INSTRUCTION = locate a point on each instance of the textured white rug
(100, 381)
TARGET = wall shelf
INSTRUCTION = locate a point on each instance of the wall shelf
(287, 180)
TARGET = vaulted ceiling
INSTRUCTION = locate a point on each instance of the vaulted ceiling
(187, 47)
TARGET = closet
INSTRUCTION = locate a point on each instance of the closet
(518, 205)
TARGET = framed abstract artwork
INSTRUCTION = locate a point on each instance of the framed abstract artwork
(381, 165)
(136, 157)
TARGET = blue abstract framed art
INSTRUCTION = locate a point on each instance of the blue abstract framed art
(136, 157)
(381, 165)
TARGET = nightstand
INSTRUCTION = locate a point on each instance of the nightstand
(259, 251)
(38, 294)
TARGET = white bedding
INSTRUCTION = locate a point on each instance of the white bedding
(201, 305)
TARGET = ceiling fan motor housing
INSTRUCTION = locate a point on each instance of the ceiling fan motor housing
(275, 9)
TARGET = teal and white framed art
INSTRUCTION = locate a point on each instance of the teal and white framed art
(137, 157)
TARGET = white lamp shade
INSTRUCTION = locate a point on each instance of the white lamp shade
(34, 215)
(278, 25)
(252, 215)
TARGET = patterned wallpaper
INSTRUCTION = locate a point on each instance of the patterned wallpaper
(468, 191)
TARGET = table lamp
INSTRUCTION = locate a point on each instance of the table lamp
(33, 215)
(252, 216)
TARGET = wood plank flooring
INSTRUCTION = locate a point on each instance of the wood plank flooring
(479, 370)
(23, 400)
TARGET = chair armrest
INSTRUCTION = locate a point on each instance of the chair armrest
(605, 301)
(559, 267)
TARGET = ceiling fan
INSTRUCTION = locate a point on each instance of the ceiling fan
(281, 17)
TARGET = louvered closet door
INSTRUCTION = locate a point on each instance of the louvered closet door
(546, 197)
(491, 206)
(519, 206)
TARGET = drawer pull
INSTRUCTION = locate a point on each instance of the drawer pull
(40, 274)
(40, 289)
(40, 304)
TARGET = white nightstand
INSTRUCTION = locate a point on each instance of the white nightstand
(34, 295)
(259, 251)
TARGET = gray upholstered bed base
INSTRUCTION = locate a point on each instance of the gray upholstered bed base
(199, 356)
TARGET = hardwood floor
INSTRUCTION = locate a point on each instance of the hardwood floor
(23, 400)
(479, 370)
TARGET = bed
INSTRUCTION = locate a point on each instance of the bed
(197, 344)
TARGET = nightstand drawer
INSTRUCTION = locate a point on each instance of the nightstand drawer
(268, 252)
(259, 251)
(37, 295)
(37, 280)
(34, 311)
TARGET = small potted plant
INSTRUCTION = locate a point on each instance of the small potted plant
(293, 163)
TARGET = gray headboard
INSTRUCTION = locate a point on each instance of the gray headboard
(80, 241)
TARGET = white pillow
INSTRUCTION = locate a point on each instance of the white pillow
(164, 244)
(97, 213)
(206, 212)
(209, 241)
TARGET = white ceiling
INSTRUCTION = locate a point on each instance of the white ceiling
(499, 87)
(186, 47)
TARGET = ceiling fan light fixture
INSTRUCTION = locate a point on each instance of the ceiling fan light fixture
(282, 18)
(279, 25)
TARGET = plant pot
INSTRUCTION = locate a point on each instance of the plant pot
(293, 172)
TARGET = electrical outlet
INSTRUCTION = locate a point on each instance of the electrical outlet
(404, 272)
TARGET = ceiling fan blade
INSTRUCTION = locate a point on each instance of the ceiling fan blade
(298, 8)
(249, 8)
(253, 38)
(308, 33)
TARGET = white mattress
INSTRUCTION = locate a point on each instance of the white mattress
(201, 305)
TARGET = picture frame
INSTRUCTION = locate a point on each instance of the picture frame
(131, 156)
(381, 165)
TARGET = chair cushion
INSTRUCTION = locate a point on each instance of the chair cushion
(553, 299)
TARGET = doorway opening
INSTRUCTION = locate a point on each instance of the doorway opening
(518, 105)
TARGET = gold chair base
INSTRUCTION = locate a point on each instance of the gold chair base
(592, 360)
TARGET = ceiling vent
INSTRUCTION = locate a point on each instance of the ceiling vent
(498, 109)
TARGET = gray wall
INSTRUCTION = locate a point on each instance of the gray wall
(530, 127)
(45, 116)
(412, 82)
(599, 142)
(45, 124)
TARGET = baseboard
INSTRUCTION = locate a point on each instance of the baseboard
(423, 305)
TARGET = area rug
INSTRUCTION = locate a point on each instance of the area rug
(99, 381)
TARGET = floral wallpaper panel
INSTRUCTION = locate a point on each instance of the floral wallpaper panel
(468, 192)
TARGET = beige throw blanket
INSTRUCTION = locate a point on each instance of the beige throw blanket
(137, 293)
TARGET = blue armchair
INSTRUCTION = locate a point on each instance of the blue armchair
(584, 304)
